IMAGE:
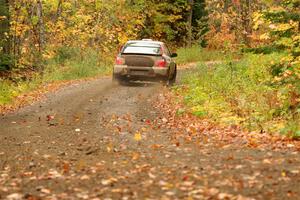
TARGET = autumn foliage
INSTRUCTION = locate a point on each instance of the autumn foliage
(46, 41)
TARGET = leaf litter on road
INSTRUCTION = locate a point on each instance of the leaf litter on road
(151, 153)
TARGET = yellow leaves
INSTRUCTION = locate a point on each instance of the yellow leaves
(287, 42)
(67, 5)
(122, 39)
(174, 18)
(285, 27)
(288, 58)
(60, 25)
(104, 25)
(139, 22)
(3, 18)
(19, 29)
(296, 38)
(109, 147)
(265, 36)
(98, 4)
(275, 9)
(257, 20)
(137, 136)
(34, 20)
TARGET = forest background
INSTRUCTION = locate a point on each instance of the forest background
(43, 41)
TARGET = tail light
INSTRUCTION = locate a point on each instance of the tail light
(161, 50)
(120, 61)
(161, 63)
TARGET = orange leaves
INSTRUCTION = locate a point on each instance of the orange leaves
(156, 146)
(252, 142)
(236, 2)
(205, 132)
(66, 167)
(135, 156)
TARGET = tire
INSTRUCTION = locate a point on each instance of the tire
(123, 82)
(172, 80)
(119, 80)
(115, 79)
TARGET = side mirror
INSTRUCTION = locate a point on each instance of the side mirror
(173, 55)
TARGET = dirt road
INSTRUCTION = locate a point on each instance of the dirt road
(96, 140)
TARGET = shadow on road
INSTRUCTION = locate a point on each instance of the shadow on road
(139, 84)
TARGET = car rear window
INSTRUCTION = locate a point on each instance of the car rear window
(140, 48)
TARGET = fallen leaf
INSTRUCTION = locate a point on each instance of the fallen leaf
(135, 156)
(137, 136)
(50, 117)
(14, 196)
(45, 191)
(85, 177)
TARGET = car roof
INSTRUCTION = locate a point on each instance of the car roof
(148, 41)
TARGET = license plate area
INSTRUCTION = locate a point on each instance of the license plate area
(139, 72)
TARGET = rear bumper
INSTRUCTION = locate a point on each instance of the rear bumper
(140, 72)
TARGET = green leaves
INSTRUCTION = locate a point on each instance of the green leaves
(241, 92)
(292, 130)
(34, 20)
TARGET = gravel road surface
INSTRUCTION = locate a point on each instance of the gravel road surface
(97, 140)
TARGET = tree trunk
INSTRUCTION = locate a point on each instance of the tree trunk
(247, 22)
(39, 13)
(74, 5)
(59, 9)
(190, 26)
(4, 33)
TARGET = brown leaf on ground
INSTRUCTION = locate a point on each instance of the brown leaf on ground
(192, 128)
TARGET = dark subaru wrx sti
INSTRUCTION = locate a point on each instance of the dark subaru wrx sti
(145, 60)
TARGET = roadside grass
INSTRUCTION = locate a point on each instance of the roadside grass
(80, 65)
(240, 92)
(68, 64)
(7, 92)
(196, 54)
(11, 89)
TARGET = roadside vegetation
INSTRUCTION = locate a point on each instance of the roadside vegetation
(69, 64)
(256, 85)
(241, 93)
(196, 54)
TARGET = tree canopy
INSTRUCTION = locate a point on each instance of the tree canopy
(34, 31)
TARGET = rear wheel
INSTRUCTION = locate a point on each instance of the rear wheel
(172, 80)
(119, 80)
(115, 78)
